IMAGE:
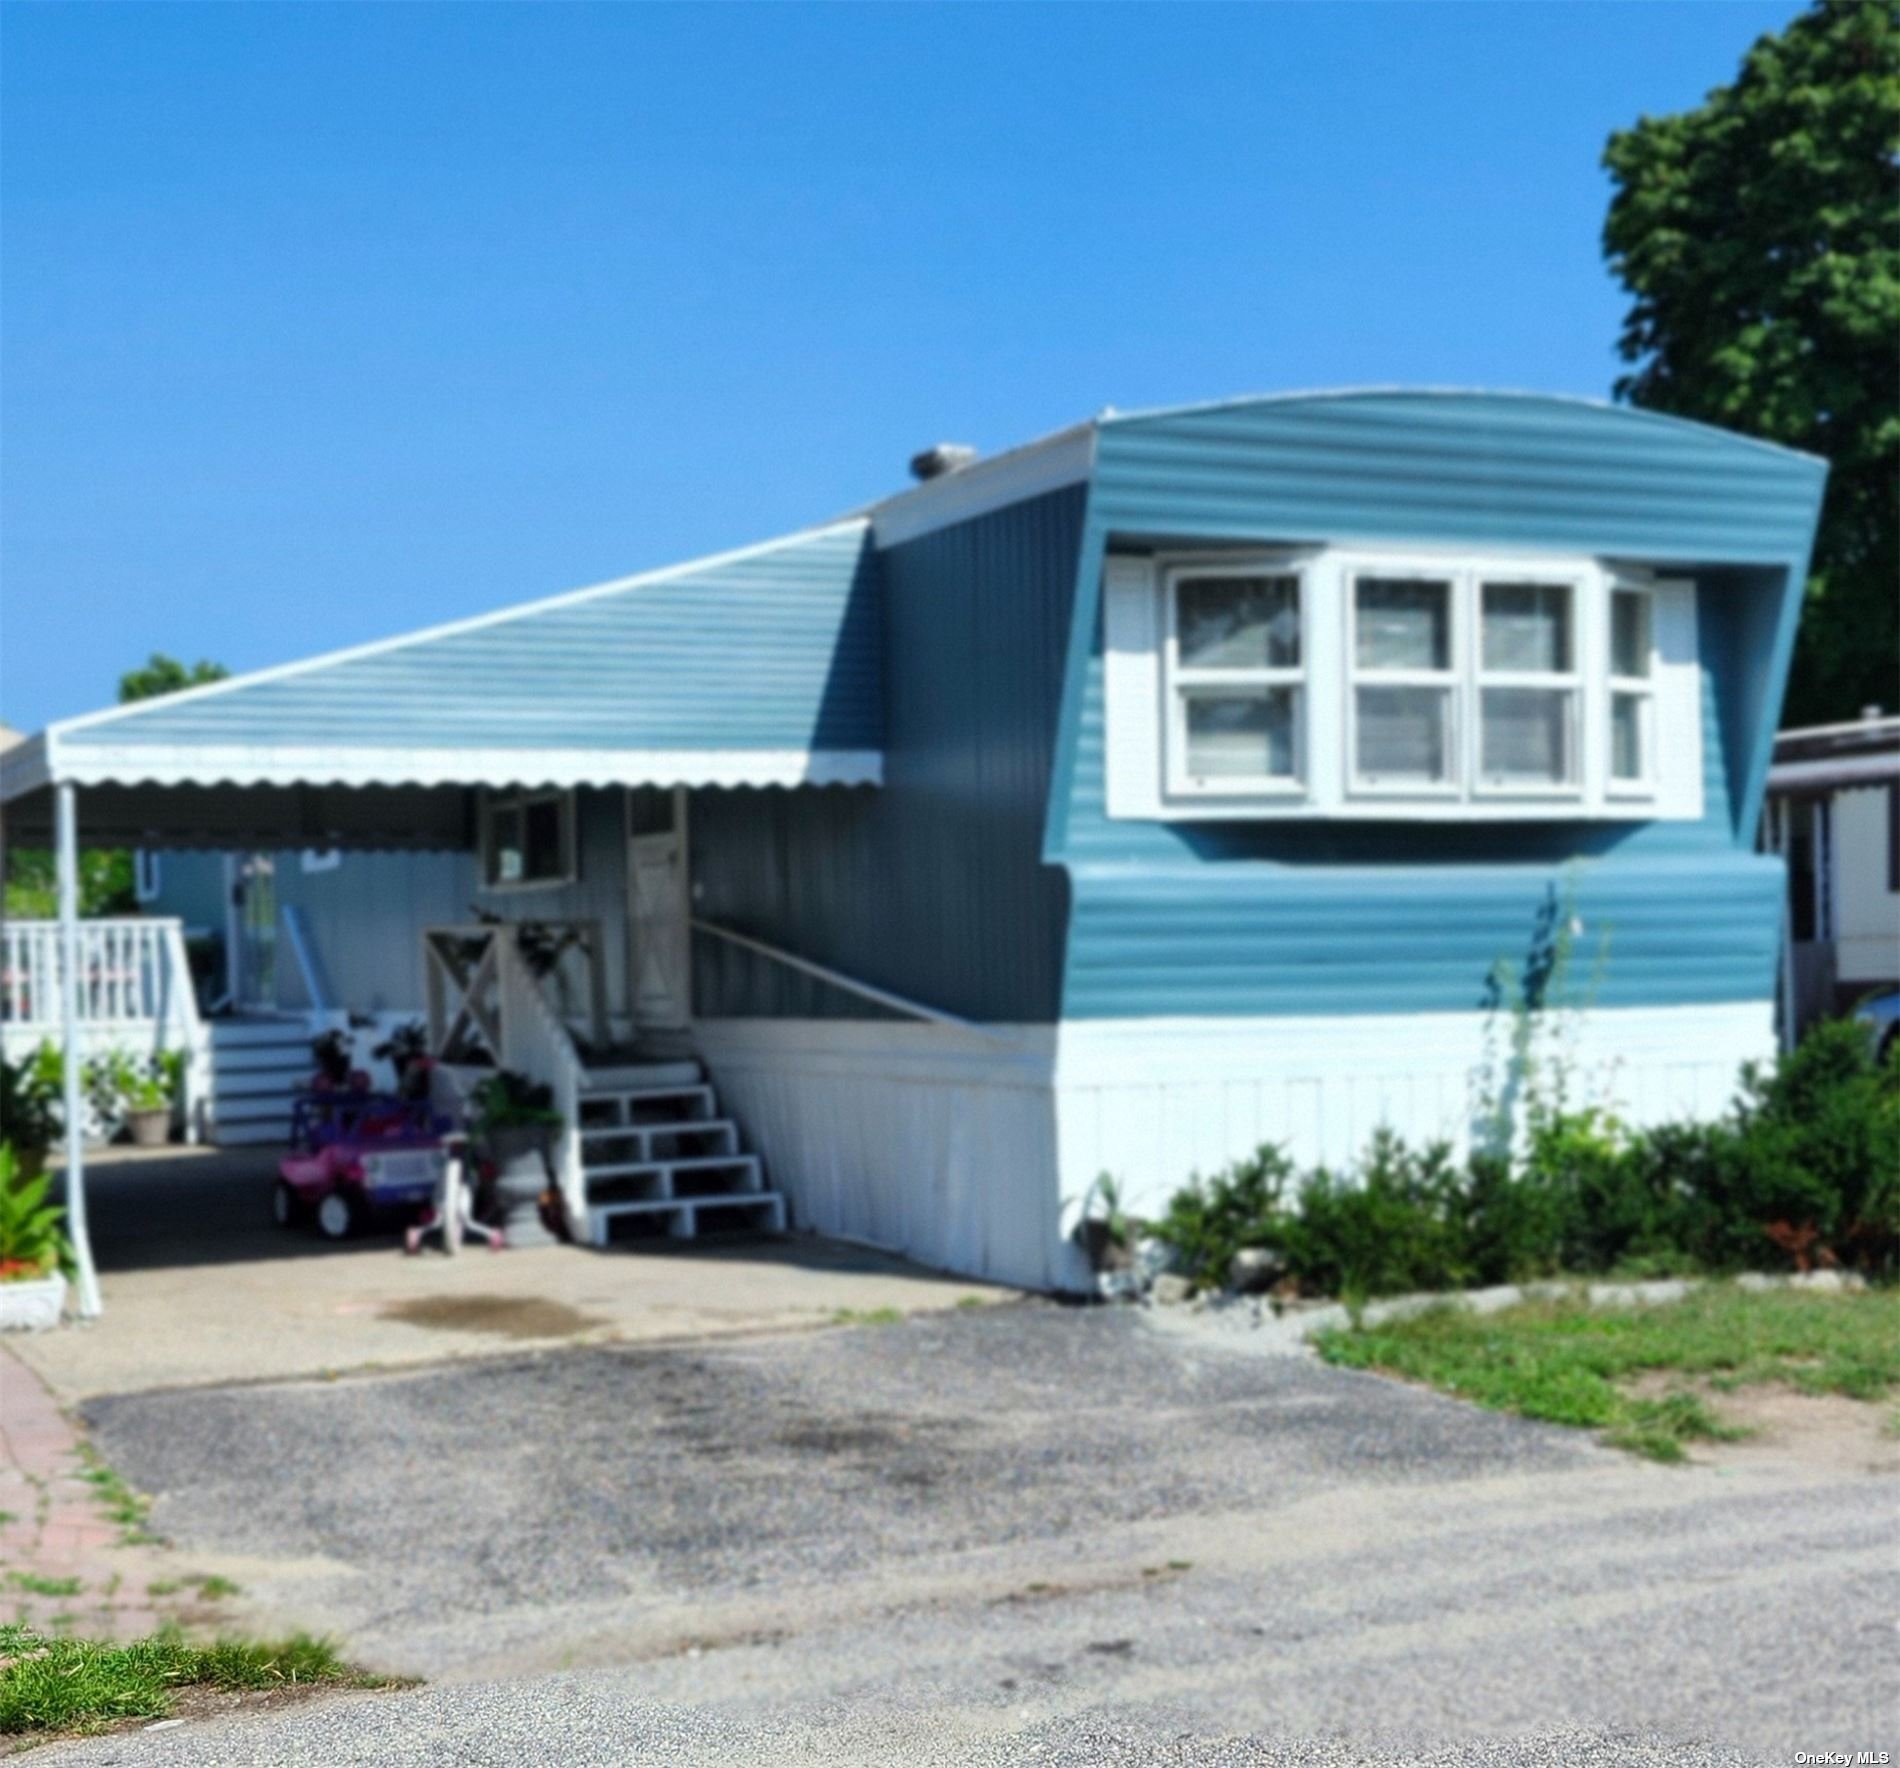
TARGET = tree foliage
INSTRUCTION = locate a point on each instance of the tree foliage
(161, 674)
(105, 874)
(1758, 234)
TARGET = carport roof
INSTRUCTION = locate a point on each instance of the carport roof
(751, 668)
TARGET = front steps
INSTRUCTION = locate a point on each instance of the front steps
(257, 1065)
(656, 1154)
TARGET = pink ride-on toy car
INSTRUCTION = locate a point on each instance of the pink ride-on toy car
(358, 1154)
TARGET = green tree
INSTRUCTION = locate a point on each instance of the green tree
(1760, 236)
(166, 675)
(105, 873)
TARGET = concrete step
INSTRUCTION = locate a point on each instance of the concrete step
(639, 1107)
(247, 1083)
(249, 1107)
(660, 1141)
(618, 1077)
(236, 1058)
(232, 1033)
(682, 1215)
(726, 1175)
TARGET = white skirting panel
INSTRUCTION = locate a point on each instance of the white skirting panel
(974, 1153)
(1153, 1101)
(932, 1142)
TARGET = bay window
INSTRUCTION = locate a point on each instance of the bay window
(1393, 685)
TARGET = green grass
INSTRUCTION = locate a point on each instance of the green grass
(53, 1684)
(867, 1316)
(119, 1502)
(1570, 1364)
(34, 1585)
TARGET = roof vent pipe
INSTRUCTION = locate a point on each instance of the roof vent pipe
(944, 457)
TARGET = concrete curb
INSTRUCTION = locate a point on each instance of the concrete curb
(1288, 1333)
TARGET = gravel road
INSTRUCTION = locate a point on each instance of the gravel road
(1019, 1534)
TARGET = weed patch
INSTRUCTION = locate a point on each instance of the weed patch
(55, 1684)
(1565, 1363)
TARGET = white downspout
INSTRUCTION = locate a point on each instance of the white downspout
(67, 835)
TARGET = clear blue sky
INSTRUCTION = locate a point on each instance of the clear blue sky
(321, 322)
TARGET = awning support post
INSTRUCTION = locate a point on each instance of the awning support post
(67, 841)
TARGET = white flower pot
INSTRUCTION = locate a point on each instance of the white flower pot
(32, 1305)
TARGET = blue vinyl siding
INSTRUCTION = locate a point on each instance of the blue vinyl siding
(653, 666)
(931, 885)
(1316, 918)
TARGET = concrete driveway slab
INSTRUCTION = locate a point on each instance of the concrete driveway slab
(1016, 1534)
(202, 1287)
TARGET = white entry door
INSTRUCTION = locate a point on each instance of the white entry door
(656, 874)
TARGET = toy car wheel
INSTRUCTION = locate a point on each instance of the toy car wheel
(286, 1206)
(337, 1215)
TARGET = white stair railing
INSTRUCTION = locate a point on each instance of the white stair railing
(535, 1042)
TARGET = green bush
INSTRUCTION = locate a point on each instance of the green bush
(1209, 1220)
(1395, 1224)
(1804, 1171)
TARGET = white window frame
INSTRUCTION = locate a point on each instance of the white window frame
(1447, 680)
(1181, 682)
(1644, 687)
(495, 803)
(1141, 759)
(1576, 586)
(148, 874)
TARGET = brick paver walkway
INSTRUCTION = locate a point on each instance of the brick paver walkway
(72, 1554)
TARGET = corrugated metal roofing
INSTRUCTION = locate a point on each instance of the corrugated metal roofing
(758, 667)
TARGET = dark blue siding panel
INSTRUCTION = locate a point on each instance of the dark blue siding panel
(1314, 918)
(931, 885)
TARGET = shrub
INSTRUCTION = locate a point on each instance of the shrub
(1819, 1152)
(32, 1242)
(1209, 1220)
(1395, 1224)
(1805, 1170)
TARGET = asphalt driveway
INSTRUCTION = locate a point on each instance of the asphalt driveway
(1015, 1533)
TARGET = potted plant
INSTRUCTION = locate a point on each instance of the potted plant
(28, 1117)
(34, 1253)
(1104, 1231)
(148, 1110)
(406, 1050)
(515, 1126)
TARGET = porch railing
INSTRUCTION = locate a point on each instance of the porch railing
(132, 972)
(133, 993)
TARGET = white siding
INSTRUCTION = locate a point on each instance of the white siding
(1866, 909)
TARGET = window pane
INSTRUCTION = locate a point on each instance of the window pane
(1626, 737)
(543, 839)
(1527, 627)
(1629, 633)
(1526, 736)
(1239, 622)
(1241, 736)
(1403, 623)
(505, 863)
(1405, 734)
